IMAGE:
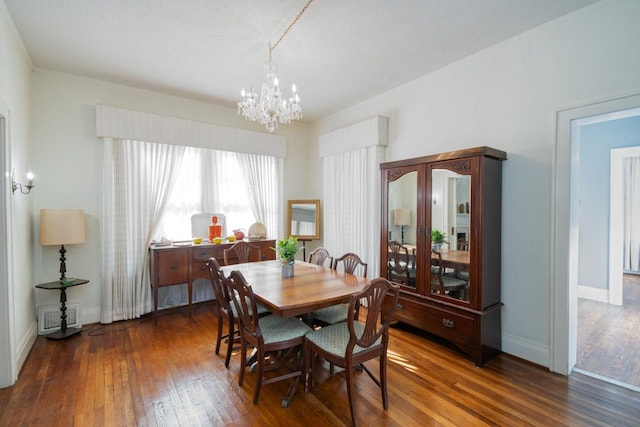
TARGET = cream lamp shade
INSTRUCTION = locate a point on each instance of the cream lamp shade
(61, 227)
(402, 216)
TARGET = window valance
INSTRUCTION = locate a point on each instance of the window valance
(367, 133)
(119, 123)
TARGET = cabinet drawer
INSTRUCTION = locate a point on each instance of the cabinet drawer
(172, 267)
(204, 253)
(200, 270)
(451, 324)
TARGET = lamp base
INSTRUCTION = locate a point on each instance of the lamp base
(60, 335)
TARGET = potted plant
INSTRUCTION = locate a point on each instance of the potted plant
(286, 250)
(437, 239)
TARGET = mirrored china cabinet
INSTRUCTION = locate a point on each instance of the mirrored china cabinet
(440, 240)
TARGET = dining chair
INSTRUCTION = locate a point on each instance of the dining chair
(226, 310)
(244, 251)
(398, 267)
(279, 338)
(351, 263)
(350, 344)
(338, 313)
(445, 283)
(319, 256)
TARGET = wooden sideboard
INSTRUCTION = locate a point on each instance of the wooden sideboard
(178, 264)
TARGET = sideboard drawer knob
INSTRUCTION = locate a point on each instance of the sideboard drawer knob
(448, 323)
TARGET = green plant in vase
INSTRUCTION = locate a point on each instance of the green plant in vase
(286, 250)
(437, 239)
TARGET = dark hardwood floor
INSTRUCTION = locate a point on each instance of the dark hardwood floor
(609, 336)
(136, 374)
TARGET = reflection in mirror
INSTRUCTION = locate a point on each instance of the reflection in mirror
(304, 219)
(402, 202)
(450, 213)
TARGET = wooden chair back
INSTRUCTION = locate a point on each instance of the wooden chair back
(376, 325)
(244, 251)
(319, 256)
(216, 275)
(350, 263)
(224, 309)
(246, 307)
(398, 263)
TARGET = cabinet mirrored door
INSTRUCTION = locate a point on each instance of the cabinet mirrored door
(402, 226)
(449, 216)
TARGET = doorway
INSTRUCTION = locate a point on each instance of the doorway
(566, 224)
(607, 341)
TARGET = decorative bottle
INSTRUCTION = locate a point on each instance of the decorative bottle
(215, 229)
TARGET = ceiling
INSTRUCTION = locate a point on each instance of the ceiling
(340, 52)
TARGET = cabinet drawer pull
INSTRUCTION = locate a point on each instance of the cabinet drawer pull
(399, 307)
(448, 323)
(173, 267)
(204, 268)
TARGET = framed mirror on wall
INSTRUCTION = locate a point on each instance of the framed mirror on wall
(303, 219)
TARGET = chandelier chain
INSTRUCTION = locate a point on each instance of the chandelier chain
(271, 48)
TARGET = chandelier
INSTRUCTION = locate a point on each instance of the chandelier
(271, 107)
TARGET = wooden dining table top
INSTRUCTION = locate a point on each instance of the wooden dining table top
(455, 257)
(312, 287)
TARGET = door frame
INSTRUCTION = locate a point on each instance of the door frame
(8, 364)
(563, 295)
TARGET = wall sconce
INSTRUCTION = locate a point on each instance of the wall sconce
(15, 185)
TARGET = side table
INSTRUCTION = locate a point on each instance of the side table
(64, 332)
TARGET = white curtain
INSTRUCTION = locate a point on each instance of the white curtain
(352, 204)
(632, 214)
(137, 180)
(264, 180)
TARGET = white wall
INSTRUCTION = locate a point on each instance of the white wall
(506, 97)
(68, 163)
(18, 334)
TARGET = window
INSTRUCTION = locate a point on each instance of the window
(209, 181)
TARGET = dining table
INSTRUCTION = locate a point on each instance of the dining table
(310, 288)
(457, 260)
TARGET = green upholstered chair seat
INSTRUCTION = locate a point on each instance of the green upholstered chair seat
(260, 308)
(452, 282)
(276, 329)
(334, 338)
(330, 315)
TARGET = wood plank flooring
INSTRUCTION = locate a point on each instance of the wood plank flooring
(136, 374)
(609, 336)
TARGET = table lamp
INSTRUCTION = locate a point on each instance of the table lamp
(402, 217)
(61, 227)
